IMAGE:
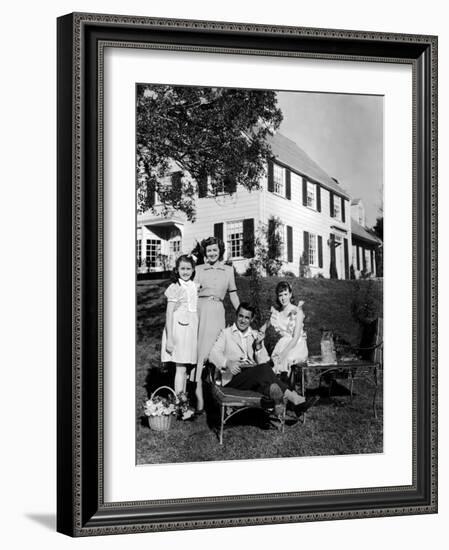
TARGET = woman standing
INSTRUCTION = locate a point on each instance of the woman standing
(214, 279)
(288, 321)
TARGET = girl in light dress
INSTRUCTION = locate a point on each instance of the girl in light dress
(288, 321)
(179, 339)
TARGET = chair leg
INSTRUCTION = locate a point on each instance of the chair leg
(222, 423)
(375, 392)
(283, 418)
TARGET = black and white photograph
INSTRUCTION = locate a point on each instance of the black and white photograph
(259, 274)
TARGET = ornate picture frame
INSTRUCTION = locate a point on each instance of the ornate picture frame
(82, 509)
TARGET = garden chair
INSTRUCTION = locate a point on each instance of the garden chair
(232, 401)
(366, 364)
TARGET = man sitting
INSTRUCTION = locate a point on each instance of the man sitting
(240, 354)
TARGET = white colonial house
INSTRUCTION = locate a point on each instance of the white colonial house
(314, 210)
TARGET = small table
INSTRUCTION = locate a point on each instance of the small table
(350, 367)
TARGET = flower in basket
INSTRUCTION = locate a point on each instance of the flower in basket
(159, 406)
(185, 411)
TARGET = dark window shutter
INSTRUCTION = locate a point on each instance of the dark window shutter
(343, 214)
(202, 186)
(151, 196)
(318, 198)
(230, 185)
(288, 184)
(346, 253)
(306, 248)
(363, 258)
(218, 231)
(372, 261)
(304, 191)
(248, 238)
(270, 176)
(358, 257)
(272, 249)
(176, 179)
(331, 204)
(289, 243)
(320, 251)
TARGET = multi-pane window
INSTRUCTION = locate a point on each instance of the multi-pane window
(175, 247)
(153, 250)
(215, 187)
(311, 195)
(139, 252)
(312, 249)
(279, 179)
(234, 232)
(164, 184)
(337, 208)
(174, 250)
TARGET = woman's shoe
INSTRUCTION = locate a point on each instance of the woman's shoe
(294, 398)
(303, 407)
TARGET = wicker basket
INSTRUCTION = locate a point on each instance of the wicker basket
(164, 422)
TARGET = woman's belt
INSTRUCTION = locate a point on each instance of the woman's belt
(214, 298)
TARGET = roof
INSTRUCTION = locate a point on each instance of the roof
(359, 231)
(356, 201)
(287, 152)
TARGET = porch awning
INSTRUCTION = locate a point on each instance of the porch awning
(149, 218)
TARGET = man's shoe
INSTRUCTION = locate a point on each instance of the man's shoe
(301, 409)
(267, 402)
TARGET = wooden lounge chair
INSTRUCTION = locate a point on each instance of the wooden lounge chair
(232, 401)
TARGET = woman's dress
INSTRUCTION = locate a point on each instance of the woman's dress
(214, 280)
(185, 323)
(285, 326)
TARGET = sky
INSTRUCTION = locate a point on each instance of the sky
(343, 133)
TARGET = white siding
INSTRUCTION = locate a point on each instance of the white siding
(301, 218)
(260, 205)
(211, 210)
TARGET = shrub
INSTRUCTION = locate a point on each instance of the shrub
(366, 303)
(304, 269)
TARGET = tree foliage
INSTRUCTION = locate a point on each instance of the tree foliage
(205, 134)
(378, 230)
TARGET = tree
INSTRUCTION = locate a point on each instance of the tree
(217, 136)
(378, 230)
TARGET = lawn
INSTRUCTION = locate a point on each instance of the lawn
(336, 425)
